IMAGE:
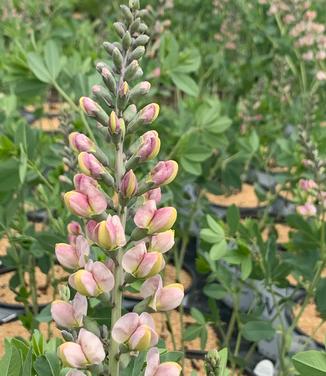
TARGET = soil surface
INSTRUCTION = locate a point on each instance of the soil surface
(311, 324)
(246, 198)
(45, 295)
(283, 232)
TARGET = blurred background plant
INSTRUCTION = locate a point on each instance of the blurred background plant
(237, 81)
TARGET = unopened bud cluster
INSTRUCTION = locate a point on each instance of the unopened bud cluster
(108, 193)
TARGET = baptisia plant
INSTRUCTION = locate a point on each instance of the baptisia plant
(120, 209)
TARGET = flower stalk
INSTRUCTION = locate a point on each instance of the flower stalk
(102, 196)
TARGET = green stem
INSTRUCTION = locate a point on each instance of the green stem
(33, 285)
(76, 108)
(119, 274)
(170, 329)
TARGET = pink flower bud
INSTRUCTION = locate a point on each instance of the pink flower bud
(129, 185)
(162, 298)
(307, 184)
(73, 256)
(90, 107)
(136, 332)
(116, 125)
(155, 220)
(110, 233)
(307, 163)
(154, 194)
(307, 210)
(94, 280)
(74, 229)
(154, 368)
(89, 165)
(150, 146)
(87, 351)
(163, 220)
(161, 242)
(79, 142)
(91, 230)
(164, 172)
(72, 355)
(149, 113)
(77, 203)
(141, 264)
(124, 89)
(87, 200)
(69, 314)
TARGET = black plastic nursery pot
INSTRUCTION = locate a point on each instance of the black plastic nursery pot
(37, 216)
(9, 314)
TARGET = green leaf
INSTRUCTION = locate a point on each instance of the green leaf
(9, 175)
(185, 83)
(203, 338)
(11, 363)
(198, 316)
(37, 66)
(233, 218)
(191, 167)
(218, 250)
(27, 365)
(312, 363)
(215, 226)
(138, 364)
(214, 291)
(47, 364)
(52, 59)
(246, 267)
(189, 61)
(192, 332)
(220, 125)
(172, 356)
(197, 154)
(210, 236)
(258, 330)
(23, 164)
(320, 297)
(45, 314)
(223, 361)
